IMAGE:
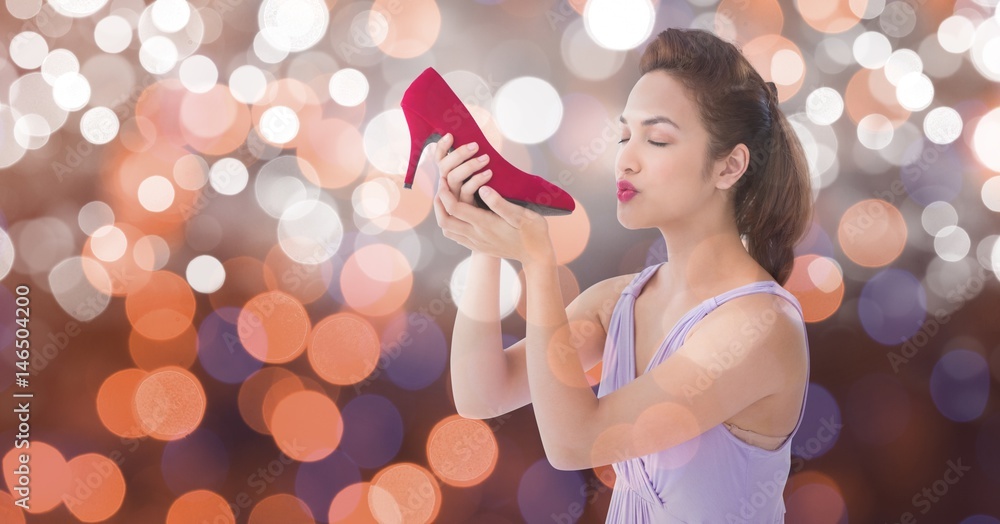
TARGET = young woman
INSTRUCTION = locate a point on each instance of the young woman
(705, 356)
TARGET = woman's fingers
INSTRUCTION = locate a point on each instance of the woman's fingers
(468, 190)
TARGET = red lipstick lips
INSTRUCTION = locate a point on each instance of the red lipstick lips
(625, 191)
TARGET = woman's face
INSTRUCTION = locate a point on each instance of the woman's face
(662, 154)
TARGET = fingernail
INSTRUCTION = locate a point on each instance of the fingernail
(488, 173)
(484, 157)
(472, 146)
(485, 190)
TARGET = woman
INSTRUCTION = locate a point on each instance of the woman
(705, 357)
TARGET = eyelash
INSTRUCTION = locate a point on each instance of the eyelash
(657, 144)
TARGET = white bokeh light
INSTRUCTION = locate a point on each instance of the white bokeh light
(170, 16)
(77, 8)
(279, 124)
(943, 125)
(527, 110)
(247, 84)
(198, 73)
(985, 140)
(113, 34)
(293, 25)
(510, 285)
(57, 63)
(348, 87)
(991, 194)
(872, 50)
(95, 215)
(205, 274)
(824, 106)
(937, 216)
(915, 91)
(955, 34)
(28, 49)
(81, 287)
(158, 55)
(310, 232)
(71, 91)
(952, 243)
(228, 176)
(99, 125)
(108, 243)
(902, 62)
(6, 254)
(619, 24)
(156, 193)
(875, 131)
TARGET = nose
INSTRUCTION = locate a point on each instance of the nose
(625, 159)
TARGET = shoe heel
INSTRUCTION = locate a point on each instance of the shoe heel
(421, 134)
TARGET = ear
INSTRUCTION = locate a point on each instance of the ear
(729, 170)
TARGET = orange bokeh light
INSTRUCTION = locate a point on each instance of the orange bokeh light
(831, 16)
(307, 426)
(350, 505)
(200, 506)
(570, 234)
(462, 452)
(281, 509)
(150, 354)
(376, 280)
(169, 403)
(253, 392)
(114, 403)
(163, 308)
(818, 285)
(405, 492)
(48, 474)
(273, 327)
(97, 488)
(213, 122)
(415, 26)
(872, 233)
(343, 349)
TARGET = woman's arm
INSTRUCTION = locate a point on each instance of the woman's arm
(670, 404)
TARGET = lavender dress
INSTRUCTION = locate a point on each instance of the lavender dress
(714, 477)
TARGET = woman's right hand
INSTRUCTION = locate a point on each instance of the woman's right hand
(459, 168)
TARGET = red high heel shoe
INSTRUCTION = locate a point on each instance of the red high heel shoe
(432, 110)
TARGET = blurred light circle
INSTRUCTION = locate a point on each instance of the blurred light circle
(897, 19)
(151, 253)
(28, 49)
(348, 87)
(544, 491)
(156, 193)
(510, 285)
(902, 62)
(6, 254)
(228, 176)
(960, 385)
(528, 109)
(307, 426)
(220, 351)
(937, 216)
(872, 50)
(875, 131)
(787, 67)
(57, 63)
(937, 62)
(956, 34)
(108, 243)
(310, 232)
(952, 243)
(892, 306)
(619, 24)
(270, 46)
(71, 91)
(991, 194)
(158, 55)
(80, 285)
(94, 215)
(247, 84)
(821, 424)
(824, 106)
(198, 73)
(986, 49)
(462, 452)
(915, 91)
(205, 274)
(24, 9)
(584, 57)
(343, 349)
(373, 430)
(413, 361)
(77, 8)
(405, 492)
(99, 125)
(10, 150)
(113, 34)
(293, 25)
(943, 125)
(170, 16)
(200, 506)
(32, 131)
(273, 327)
(283, 182)
(98, 486)
(985, 140)
(169, 403)
(279, 124)
(281, 508)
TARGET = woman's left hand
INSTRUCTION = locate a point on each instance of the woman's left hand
(510, 231)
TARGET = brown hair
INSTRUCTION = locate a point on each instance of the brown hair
(772, 200)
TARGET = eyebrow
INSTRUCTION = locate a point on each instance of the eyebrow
(652, 121)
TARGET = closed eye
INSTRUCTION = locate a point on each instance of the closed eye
(657, 144)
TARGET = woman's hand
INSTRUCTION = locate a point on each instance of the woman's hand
(506, 230)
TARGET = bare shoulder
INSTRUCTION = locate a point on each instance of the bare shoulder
(609, 291)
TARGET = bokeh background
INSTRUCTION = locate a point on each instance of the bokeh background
(238, 313)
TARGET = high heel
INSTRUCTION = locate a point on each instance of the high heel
(432, 110)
